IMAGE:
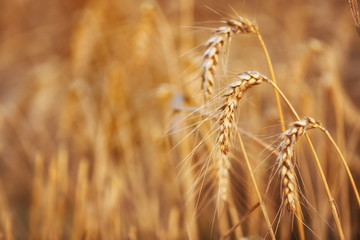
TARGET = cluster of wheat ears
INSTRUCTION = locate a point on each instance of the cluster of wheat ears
(105, 132)
(226, 120)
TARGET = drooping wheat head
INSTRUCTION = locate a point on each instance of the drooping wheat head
(286, 159)
(226, 123)
(214, 47)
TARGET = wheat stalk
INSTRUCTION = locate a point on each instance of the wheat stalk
(214, 47)
(226, 122)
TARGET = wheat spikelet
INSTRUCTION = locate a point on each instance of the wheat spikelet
(354, 6)
(286, 159)
(226, 122)
(214, 47)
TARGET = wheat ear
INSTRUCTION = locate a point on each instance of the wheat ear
(226, 122)
(214, 47)
(286, 159)
(318, 164)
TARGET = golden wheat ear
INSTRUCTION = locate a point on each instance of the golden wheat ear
(287, 163)
(214, 47)
(227, 123)
(226, 126)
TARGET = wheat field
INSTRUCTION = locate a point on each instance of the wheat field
(179, 119)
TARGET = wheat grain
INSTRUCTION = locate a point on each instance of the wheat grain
(214, 47)
(226, 122)
(286, 159)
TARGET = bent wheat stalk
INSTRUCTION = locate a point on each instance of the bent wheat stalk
(272, 73)
(214, 47)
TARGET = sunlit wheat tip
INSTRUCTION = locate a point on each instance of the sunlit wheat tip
(214, 46)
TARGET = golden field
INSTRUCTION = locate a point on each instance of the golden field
(105, 133)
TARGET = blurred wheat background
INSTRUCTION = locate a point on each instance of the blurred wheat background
(96, 141)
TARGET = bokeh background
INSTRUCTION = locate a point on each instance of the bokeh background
(90, 91)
